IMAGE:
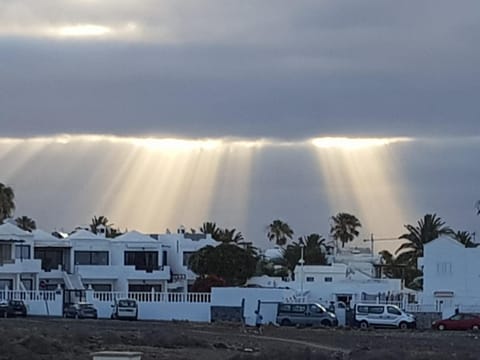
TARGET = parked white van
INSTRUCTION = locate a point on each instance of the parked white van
(383, 315)
(126, 309)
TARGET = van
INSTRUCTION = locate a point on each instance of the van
(305, 314)
(383, 315)
(126, 309)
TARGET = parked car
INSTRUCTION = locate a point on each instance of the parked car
(13, 308)
(80, 311)
(461, 321)
(383, 315)
(305, 314)
(125, 309)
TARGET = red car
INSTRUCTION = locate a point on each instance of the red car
(458, 322)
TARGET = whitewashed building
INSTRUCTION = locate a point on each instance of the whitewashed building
(132, 262)
(18, 268)
(451, 275)
(353, 275)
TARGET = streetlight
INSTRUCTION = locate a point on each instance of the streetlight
(302, 261)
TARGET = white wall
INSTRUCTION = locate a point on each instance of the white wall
(252, 296)
(451, 274)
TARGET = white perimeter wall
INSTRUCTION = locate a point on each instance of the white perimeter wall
(269, 298)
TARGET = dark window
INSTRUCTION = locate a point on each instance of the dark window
(186, 258)
(101, 287)
(394, 311)
(22, 252)
(298, 308)
(27, 283)
(144, 288)
(362, 309)
(316, 309)
(164, 258)
(285, 308)
(310, 278)
(328, 279)
(52, 259)
(142, 260)
(6, 283)
(91, 257)
(375, 309)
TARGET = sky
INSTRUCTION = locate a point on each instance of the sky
(160, 113)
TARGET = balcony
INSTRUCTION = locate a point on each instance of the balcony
(13, 266)
(114, 272)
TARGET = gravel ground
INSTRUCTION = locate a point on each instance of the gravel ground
(43, 338)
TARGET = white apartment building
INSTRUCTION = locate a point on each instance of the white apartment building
(18, 268)
(451, 275)
(132, 262)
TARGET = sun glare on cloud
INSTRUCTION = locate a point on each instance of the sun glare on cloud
(83, 30)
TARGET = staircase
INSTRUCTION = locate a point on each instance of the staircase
(73, 281)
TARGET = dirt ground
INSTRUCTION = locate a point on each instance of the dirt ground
(42, 338)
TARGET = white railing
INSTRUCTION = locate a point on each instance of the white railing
(415, 308)
(27, 295)
(110, 296)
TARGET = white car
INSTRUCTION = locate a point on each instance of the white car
(383, 315)
(125, 309)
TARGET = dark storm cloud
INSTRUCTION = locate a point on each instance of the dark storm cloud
(254, 69)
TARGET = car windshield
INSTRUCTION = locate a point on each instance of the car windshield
(85, 306)
(127, 303)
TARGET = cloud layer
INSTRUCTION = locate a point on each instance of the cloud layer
(249, 69)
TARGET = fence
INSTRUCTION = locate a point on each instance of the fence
(26, 295)
(42, 303)
(110, 296)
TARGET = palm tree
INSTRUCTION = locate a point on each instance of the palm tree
(465, 238)
(280, 232)
(398, 268)
(110, 232)
(230, 236)
(427, 229)
(314, 251)
(7, 204)
(26, 223)
(212, 229)
(344, 227)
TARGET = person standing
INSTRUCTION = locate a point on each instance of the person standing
(259, 321)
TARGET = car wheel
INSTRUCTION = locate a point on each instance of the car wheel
(326, 323)
(286, 322)
(364, 325)
(441, 327)
(403, 325)
(475, 327)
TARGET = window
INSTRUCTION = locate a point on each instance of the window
(298, 308)
(444, 268)
(285, 308)
(328, 279)
(186, 257)
(91, 257)
(362, 309)
(51, 258)
(4, 283)
(27, 283)
(142, 260)
(22, 252)
(101, 287)
(310, 278)
(375, 309)
(316, 309)
(393, 310)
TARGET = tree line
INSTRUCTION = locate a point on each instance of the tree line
(235, 260)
